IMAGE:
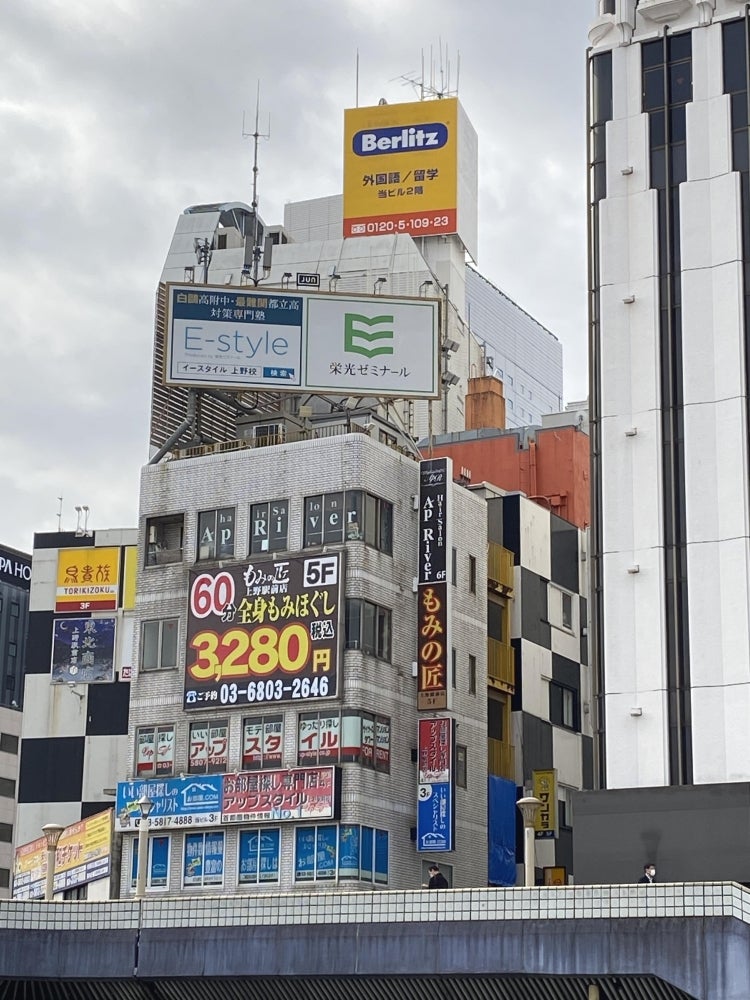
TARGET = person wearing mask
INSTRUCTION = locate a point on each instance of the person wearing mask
(649, 874)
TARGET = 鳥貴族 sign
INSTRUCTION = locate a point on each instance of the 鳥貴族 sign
(264, 631)
(88, 579)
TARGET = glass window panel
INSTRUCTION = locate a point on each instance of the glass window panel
(169, 642)
(353, 624)
(679, 46)
(653, 89)
(354, 515)
(386, 527)
(657, 128)
(313, 521)
(652, 53)
(367, 853)
(150, 645)
(677, 125)
(680, 83)
(371, 520)
(739, 151)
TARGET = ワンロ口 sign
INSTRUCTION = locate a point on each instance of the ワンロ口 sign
(83, 854)
(309, 793)
(433, 592)
(264, 631)
(356, 345)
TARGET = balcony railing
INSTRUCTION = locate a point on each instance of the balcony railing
(501, 664)
(501, 759)
(499, 568)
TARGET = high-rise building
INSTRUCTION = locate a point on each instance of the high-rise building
(670, 357)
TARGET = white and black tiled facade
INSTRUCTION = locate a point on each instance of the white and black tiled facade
(379, 682)
(73, 735)
(549, 625)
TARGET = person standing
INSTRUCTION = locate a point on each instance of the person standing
(649, 874)
(437, 879)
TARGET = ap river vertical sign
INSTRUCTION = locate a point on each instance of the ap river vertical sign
(433, 612)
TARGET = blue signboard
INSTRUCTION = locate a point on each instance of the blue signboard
(158, 851)
(177, 802)
(435, 817)
(239, 339)
(367, 853)
(304, 854)
(259, 856)
(204, 858)
(381, 856)
(349, 851)
(83, 650)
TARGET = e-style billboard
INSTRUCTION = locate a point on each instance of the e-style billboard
(411, 168)
(264, 631)
(372, 345)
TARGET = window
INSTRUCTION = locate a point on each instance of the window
(159, 644)
(158, 862)
(7, 788)
(472, 575)
(454, 669)
(496, 620)
(164, 539)
(8, 743)
(563, 706)
(472, 674)
(14, 609)
(368, 628)
(269, 526)
(347, 737)
(560, 608)
(4, 878)
(461, 766)
(454, 567)
(221, 241)
(348, 851)
(216, 534)
(203, 860)
(6, 833)
(352, 515)
(565, 806)
(259, 852)
(262, 741)
(155, 751)
(209, 742)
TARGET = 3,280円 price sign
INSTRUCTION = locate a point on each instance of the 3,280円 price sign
(264, 631)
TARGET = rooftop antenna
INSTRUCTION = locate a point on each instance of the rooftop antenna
(59, 514)
(254, 271)
(439, 84)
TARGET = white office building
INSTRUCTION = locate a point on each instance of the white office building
(670, 355)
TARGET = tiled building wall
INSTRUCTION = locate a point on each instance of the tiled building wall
(384, 801)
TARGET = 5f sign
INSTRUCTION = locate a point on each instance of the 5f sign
(321, 572)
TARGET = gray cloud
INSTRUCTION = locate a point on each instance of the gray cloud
(114, 117)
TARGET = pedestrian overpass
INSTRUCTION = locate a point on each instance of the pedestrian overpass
(686, 940)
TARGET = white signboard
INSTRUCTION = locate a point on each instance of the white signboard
(230, 338)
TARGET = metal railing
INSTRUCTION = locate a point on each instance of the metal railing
(501, 664)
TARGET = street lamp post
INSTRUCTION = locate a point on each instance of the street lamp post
(529, 807)
(52, 833)
(145, 806)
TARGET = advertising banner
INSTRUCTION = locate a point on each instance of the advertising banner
(355, 345)
(83, 855)
(289, 794)
(88, 579)
(264, 632)
(401, 169)
(15, 568)
(259, 852)
(544, 785)
(177, 802)
(435, 819)
(83, 650)
(433, 611)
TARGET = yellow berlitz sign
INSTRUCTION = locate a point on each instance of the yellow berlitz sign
(401, 169)
(88, 579)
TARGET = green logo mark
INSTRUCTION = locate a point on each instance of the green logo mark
(353, 332)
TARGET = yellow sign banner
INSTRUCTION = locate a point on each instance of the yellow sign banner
(83, 855)
(544, 785)
(88, 579)
(401, 169)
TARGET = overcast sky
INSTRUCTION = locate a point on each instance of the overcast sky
(116, 115)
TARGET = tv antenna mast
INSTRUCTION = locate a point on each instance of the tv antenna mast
(438, 84)
(253, 268)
